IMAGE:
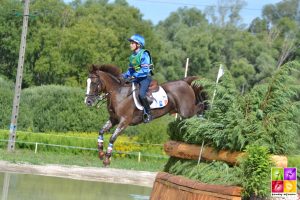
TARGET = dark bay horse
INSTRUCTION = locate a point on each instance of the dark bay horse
(104, 81)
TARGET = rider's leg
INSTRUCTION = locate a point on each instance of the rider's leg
(144, 84)
(104, 129)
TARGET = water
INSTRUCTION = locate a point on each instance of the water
(34, 187)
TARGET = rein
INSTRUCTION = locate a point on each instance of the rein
(101, 98)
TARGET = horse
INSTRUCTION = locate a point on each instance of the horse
(105, 82)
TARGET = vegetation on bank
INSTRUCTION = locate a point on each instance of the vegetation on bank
(82, 143)
(84, 160)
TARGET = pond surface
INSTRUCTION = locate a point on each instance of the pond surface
(35, 187)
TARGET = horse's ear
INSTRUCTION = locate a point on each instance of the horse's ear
(93, 68)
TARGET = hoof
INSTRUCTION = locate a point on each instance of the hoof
(101, 155)
(106, 162)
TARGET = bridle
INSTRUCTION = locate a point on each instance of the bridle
(98, 96)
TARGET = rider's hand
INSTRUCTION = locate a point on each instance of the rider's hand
(130, 79)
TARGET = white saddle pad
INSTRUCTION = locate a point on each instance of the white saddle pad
(160, 98)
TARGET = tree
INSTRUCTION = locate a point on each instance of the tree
(226, 12)
(183, 35)
(63, 40)
(10, 33)
(287, 8)
(243, 72)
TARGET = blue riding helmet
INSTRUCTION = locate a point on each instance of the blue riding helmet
(138, 39)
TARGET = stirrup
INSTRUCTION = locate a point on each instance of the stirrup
(147, 117)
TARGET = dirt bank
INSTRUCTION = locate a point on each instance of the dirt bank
(141, 178)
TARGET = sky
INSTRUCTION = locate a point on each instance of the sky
(157, 10)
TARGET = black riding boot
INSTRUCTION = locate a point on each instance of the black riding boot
(147, 117)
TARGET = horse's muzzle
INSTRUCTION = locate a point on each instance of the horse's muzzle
(91, 100)
(88, 101)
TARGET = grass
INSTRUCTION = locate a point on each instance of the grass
(84, 160)
(294, 161)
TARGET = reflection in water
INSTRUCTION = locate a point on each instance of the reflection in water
(31, 187)
(5, 186)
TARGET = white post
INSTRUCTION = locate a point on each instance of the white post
(186, 67)
(220, 74)
(185, 75)
(200, 153)
(139, 157)
(36, 146)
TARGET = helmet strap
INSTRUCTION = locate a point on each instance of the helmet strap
(138, 46)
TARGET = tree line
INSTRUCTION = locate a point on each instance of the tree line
(65, 39)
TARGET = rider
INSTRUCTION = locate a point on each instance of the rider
(139, 68)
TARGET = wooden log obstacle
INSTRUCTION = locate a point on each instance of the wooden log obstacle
(171, 187)
(190, 151)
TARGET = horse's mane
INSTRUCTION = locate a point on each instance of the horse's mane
(108, 68)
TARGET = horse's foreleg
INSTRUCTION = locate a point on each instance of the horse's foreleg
(112, 139)
(104, 129)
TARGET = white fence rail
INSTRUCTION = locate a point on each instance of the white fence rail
(138, 154)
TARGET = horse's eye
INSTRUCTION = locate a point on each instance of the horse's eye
(93, 83)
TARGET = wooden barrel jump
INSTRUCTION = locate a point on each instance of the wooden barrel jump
(171, 187)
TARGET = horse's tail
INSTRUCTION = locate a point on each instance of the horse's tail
(200, 94)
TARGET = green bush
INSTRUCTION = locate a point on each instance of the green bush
(176, 131)
(255, 172)
(58, 108)
(213, 173)
(50, 108)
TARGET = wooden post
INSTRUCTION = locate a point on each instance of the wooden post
(18, 86)
(139, 157)
(36, 146)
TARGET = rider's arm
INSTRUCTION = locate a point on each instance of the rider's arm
(129, 73)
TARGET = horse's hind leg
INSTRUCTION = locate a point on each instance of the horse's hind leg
(104, 129)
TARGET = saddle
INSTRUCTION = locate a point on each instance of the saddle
(156, 95)
(153, 87)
